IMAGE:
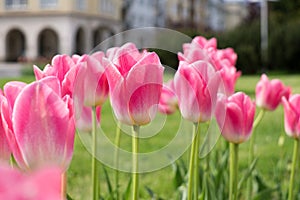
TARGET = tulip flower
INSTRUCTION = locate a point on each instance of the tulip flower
(40, 125)
(5, 150)
(269, 93)
(268, 97)
(59, 67)
(229, 77)
(235, 116)
(292, 115)
(227, 55)
(11, 91)
(292, 129)
(42, 184)
(91, 84)
(222, 60)
(198, 49)
(196, 87)
(64, 68)
(135, 82)
(90, 92)
(168, 100)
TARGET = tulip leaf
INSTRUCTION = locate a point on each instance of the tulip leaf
(178, 176)
(69, 197)
(247, 174)
(108, 182)
(265, 194)
(127, 191)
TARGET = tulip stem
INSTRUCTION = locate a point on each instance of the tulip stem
(196, 166)
(95, 170)
(292, 177)
(117, 143)
(192, 165)
(233, 173)
(251, 151)
(135, 150)
(259, 118)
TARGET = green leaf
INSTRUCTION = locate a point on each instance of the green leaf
(178, 179)
(152, 194)
(108, 182)
(261, 185)
(69, 197)
(247, 174)
(265, 194)
(127, 191)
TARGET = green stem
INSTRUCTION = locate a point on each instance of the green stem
(192, 162)
(251, 151)
(234, 148)
(258, 118)
(135, 150)
(292, 177)
(117, 143)
(95, 170)
(196, 161)
(208, 151)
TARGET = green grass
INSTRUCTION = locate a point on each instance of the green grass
(267, 149)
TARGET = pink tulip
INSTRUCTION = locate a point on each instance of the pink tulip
(168, 100)
(40, 125)
(198, 49)
(229, 77)
(91, 85)
(124, 57)
(135, 81)
(43, 184)
(235, 116)
(5, 151)
(196, 87)
(59, 67)
(64, 68)
(224, 57)
(291, 108)
(84, 119)
(269, 93)
(12, 90)
(223, 60)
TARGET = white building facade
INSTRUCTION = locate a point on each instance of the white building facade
(39, 29)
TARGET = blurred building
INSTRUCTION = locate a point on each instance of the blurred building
(139, 14)
(216, 15)
(144, 13)
(32, 29)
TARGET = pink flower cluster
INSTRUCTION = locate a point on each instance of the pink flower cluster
(38, 120)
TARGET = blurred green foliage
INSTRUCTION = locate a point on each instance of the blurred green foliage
(284, 40)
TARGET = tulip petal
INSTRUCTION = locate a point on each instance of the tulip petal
(44, 184)
(12, 90)
(143, 103)
(6, 113)
(41, 121)
(5, 150)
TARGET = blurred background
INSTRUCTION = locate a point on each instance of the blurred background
(265, 34)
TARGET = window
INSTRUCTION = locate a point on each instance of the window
(81, 4)
(15, 4)
(107, 6)
(48, 3)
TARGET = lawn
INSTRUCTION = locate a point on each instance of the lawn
(271, 154)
